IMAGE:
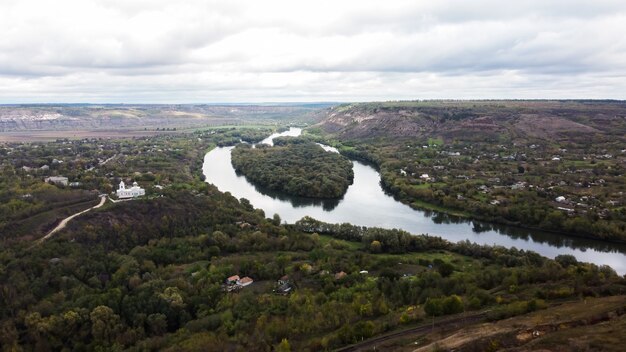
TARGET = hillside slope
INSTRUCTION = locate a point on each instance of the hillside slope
(48, 117)
(470, 120)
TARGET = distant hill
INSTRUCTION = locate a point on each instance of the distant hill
(470, 120)
(60, 117)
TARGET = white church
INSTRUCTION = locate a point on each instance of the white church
(132, 192)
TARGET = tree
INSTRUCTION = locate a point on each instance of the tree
(283, 346)
(105, 324)
(445, 269)
(375, 246)
(157, 324)
(276, 220)
(433, 306)
(566, 260)
(452, 305)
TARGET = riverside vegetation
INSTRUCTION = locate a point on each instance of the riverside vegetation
(148, 274)
(553, 165)
(295, 166)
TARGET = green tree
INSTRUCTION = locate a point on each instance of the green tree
(105, 324)
(283, 346)
(375, 246)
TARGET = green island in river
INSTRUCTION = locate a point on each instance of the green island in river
(295, 166)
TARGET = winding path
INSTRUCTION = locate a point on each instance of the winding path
(64, 222)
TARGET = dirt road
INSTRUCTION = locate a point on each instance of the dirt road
(64, 222)
(455, 322)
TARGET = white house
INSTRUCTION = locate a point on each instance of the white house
(132, 192)
(58, 180)
(245, 281)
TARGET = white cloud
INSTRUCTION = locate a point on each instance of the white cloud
(218, 51)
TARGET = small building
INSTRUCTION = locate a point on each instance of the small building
(283, 286)
(235, 283)
(132, 192)
(340, 275)
(425, 177)
(57, 180)
(283, 280)
(232, 280)
(560, 199)
(245, 281)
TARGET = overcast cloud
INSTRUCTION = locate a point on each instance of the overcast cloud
(197, 51)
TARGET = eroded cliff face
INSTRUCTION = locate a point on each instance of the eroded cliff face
(476, 120)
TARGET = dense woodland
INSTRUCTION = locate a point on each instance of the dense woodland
(295, 166)
(149, 274)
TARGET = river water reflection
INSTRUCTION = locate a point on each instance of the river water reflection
(366, 204)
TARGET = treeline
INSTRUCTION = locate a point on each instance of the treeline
(232, 136)
(295, 166)
(380, 240)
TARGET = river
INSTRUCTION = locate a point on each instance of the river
(367, 204)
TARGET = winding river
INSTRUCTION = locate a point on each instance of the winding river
(367, 204)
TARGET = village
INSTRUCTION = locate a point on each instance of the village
(575, 179)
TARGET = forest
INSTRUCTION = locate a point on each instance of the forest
(295, 166)
(150, 274)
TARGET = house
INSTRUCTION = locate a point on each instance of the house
(235, 283)
(133, 192)
(340, 275)
(232, 280)
(57, 180)
(425, 177)
(560, 199)
(245, 281)
(283, 280)
(519, 185)
(283, 286)
(284, 289)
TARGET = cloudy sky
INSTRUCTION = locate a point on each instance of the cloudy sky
(202, 51)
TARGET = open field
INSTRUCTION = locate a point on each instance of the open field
(45, 136)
